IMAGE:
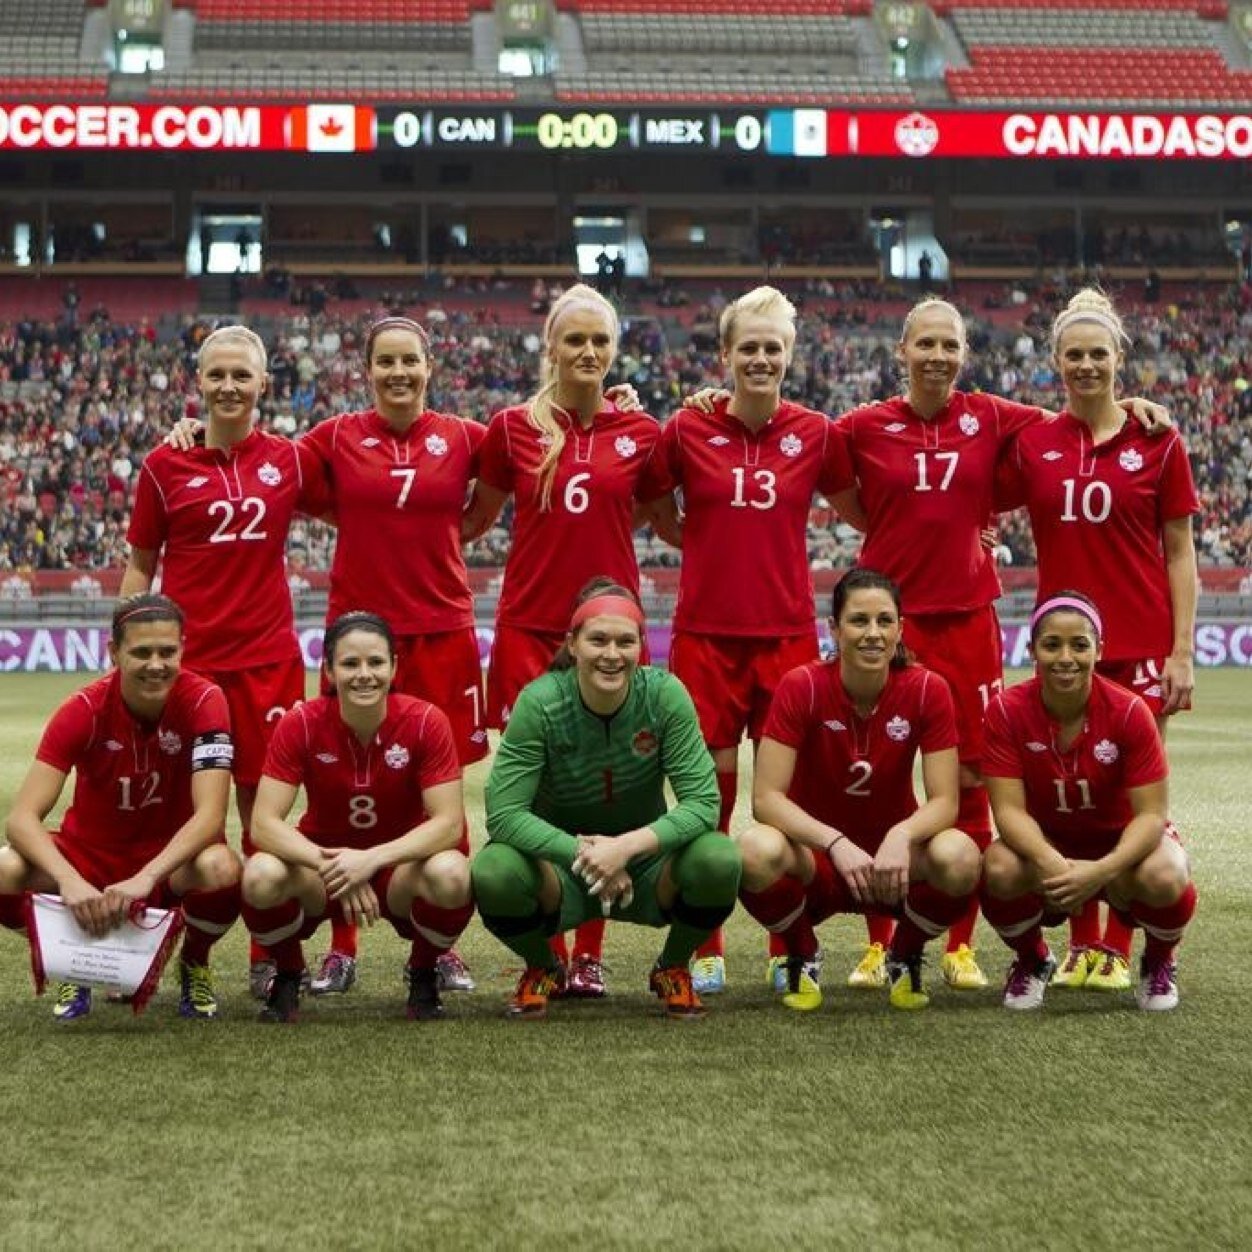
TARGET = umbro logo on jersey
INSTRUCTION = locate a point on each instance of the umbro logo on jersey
(327, 758)
(113, 745)
(1053, 456)
(371, 442)
(894, 428)
(834, 724)
(270, 475)
(625, 446)
(396, 756)
(898, 729)
(171, 743)
(436, 445)
(1105, 752)
(790, 445)
(1131, 459)
(718, 441)
(198, 481)
(969, 425)
(1154, 691)
(1035, 746)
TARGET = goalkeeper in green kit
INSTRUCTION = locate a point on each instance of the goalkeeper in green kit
(576, 809)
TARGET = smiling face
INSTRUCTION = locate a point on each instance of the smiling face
(399, 372)
(605, 651)
(1066, 649)
(232, 380)
(1088, 358)
(581, 347)
(758, 354)
(147, 661)
(361, 668)
(932, 353)
(868, 631)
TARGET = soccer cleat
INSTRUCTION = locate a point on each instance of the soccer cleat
(804, 992)
(871, 970)
(961, 971)
(260, 975)
(675, 986)
(530, 1000)
(776, 970)
(585, 980)
(708, 975)
(904, 974)
(1158, 986)
(336, 974)
(198, 999)
(424, 1004)
(1027, 982)
(282, 1004)
(72, 1002)
(1110, 972)
(1075, 969)
(453, 973)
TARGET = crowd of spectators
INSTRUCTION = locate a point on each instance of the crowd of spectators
(83, 400)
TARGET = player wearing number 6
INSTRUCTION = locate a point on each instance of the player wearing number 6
(1078, 782)
(572, 460)
(747, 471)
(379, 834)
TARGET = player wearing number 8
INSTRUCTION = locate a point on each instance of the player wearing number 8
(378, 838)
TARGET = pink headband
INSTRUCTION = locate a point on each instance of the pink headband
(1072, 604)
(606, 606)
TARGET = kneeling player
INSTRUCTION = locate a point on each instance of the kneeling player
(840, 830)
(150, 748)
(577, 815)
(379, 836)
(1078, 783)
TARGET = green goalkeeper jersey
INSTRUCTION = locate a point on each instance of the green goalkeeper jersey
(563, 771)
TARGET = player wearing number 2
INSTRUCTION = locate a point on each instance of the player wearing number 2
(1110, 510)
(747, 471)
(571, 459)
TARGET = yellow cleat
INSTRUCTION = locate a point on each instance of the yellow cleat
(1076, 968)
(960, 970)
(905, 975)
(871, 971)
(804, 992)
(1111, 972)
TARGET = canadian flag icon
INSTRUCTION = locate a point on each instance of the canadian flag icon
(331, 128)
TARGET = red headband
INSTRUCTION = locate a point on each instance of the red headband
(606, 606)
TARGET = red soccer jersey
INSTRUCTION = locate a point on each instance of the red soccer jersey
(927, 489)
(855, 773)
(132, 779)
(219, 518)
(360, 795)
(746, 500)
(1078, 796)
(1097, 513)
(587, 530)
(398, 500)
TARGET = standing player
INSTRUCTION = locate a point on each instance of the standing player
(923, 466)
(216, 516)
(571, 459)
(149, 745)
(747, 471)
(378, 837)
(577, 815)
(841, 830)
(1078, 782)
(1110, 509)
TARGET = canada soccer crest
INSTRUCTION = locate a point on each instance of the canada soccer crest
(916, 135)
(436, 445)
(270, 475)
(396, 756)
(170, 741)
(969, 425)
(1105, 752)
(1130, 460)
(790, 445)
(644, 743)
(898, 729)
(625, 446)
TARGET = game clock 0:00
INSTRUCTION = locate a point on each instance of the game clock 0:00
(575, 130)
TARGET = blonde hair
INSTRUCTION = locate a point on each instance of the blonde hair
(240, 334)
(540, 409)
(925, 305)
(763, 302)
(1089, 305)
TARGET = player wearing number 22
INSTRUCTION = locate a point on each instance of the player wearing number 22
(378, 836)
(149, 746)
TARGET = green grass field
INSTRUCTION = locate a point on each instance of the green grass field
(1089, 1125)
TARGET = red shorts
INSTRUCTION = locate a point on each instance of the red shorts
(519, 655)
(1141, 677)
(828, 894)
(732, 681)
(1093, 847)
(257, 698)
(381, 881)
(102, 866)
(965, 648)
